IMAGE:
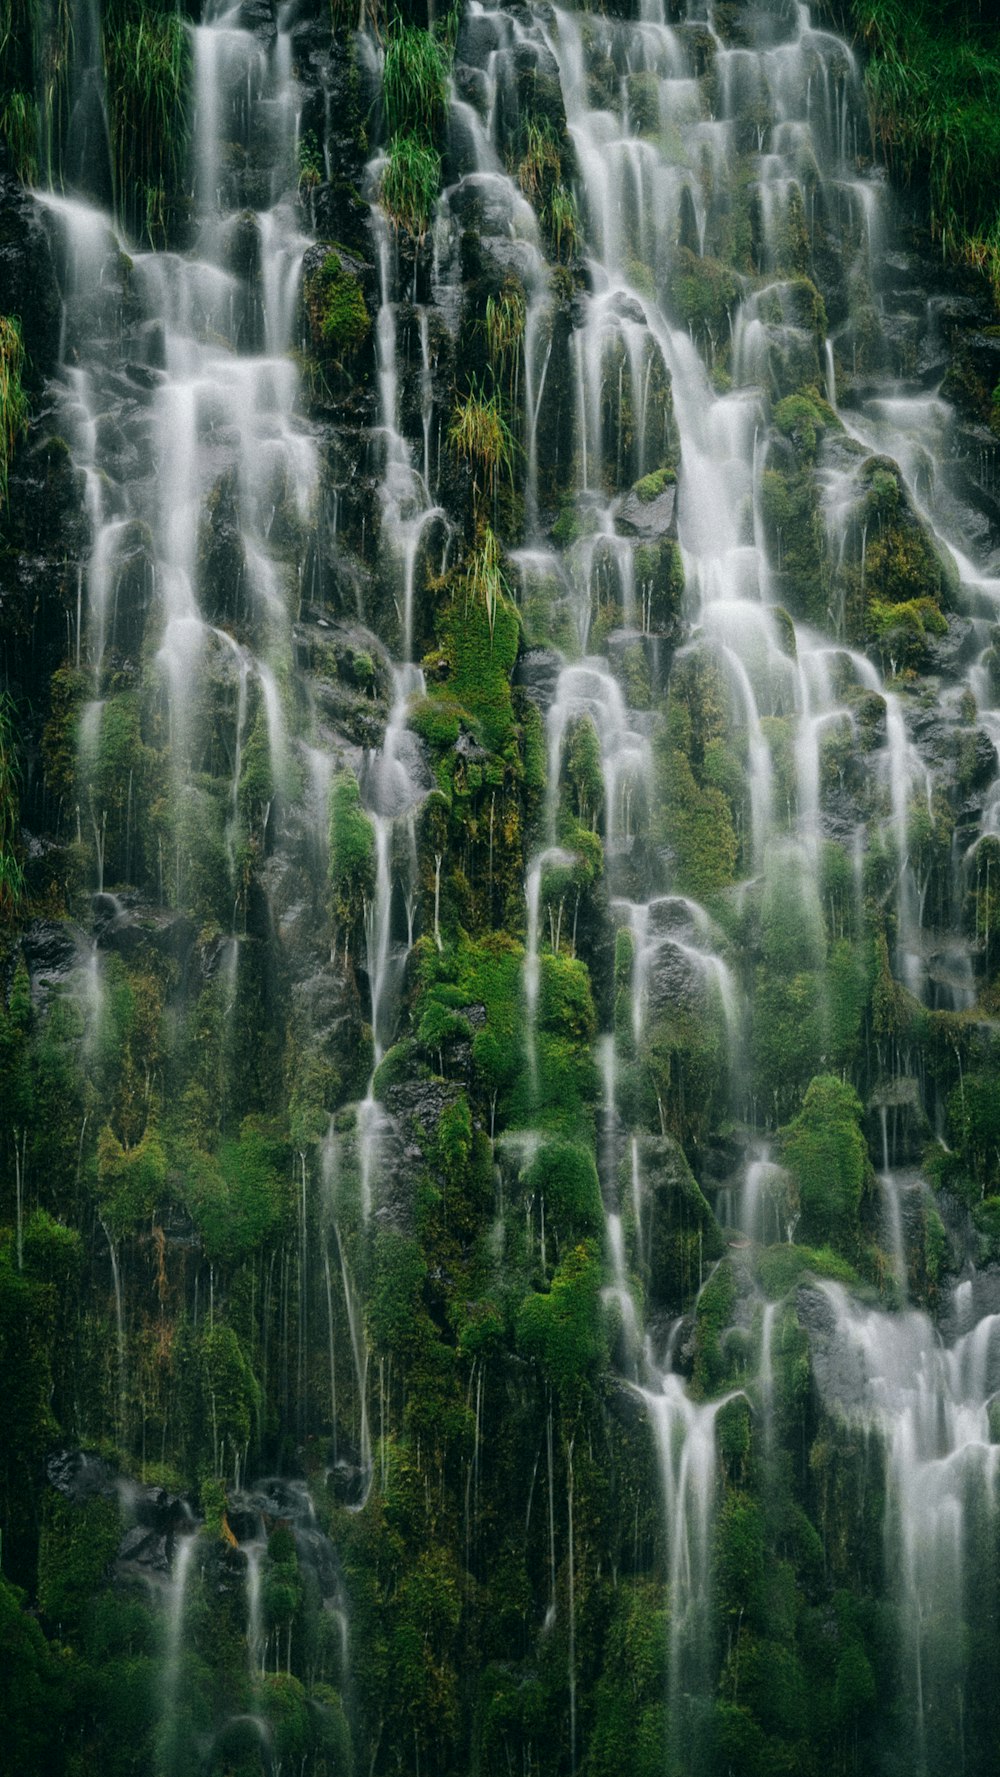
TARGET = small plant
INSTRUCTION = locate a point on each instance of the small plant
(562, 219)
(505, 321)
(481, 436)
(540, 167)
(484, 577)
(310, 159)
(414, 84)
(446, 29)
(13, 400)
(19, 128)
(410, 184)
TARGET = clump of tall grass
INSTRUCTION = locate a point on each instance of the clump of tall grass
(540, 166)
(562, 220)
(415, 104)
(484, 578)
(410, 183)
(19, 129)
(504, 323)
(540, 176)
(147, 59)
(932, 80)
(414, 83)
(480, 435)
(13, 400)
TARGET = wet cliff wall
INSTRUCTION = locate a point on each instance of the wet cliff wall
(498, 870)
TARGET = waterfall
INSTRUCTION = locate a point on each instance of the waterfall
(171, 1729)
(485, 896)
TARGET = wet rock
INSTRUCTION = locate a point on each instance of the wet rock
(678, 1229)
(52, 950)
(28, 276)
(129, 926)
(649, 519)
(143, 1550)
(411, 1106)
(950, 654)
(478, 37)
(80, 1475)
(895, 1111)
(537, 673)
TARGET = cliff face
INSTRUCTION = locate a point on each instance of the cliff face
(500, 902)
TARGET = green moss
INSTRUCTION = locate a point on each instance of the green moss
(703, 294)
(240, 1196)
(825, 1150)
(781, 1268)
(131, 1180)
(78, 1543)
(900, 631)
(692, 751)
(629, 1728)
(564, 1174)
(659, 584)
(437, 721)
(712, 1317)
(681, 1235)
(652, 486)
(562, 1331)
(479, 658)
(800, 419)
(795, 534)
(339, 321)
(486, 973)
(230, 1400)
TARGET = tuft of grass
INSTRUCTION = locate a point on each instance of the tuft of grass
(19, 129)
(932, 77)
(414, 84)
(410, 184)
(484, 578)
(310, 161)
(13, 400)
(505, 321)
(415, 103)
(562, 219)
(540, 167)
(147, 60)
(480, 435)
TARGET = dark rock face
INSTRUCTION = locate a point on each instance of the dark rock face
(27, 277)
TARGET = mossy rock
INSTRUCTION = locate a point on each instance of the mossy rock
(703, 294)
(335, 307)
(825, 1151)
(679, 1232)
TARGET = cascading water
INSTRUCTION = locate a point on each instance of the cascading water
(730, 771)
(647, 214)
